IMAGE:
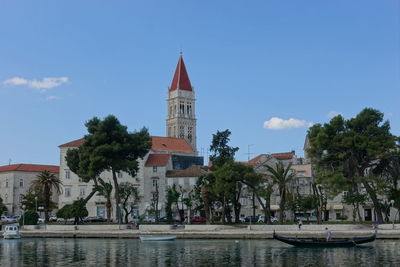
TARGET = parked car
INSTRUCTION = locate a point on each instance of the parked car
(53, 219)
(165, 220)
(261, 219)
(8, 219)
(40, 220)
(198, 219)
(94, 219)
(149, 220)
(242, 219)
(253, 219)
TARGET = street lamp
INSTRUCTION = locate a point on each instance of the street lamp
(36, 203)
(23, 216)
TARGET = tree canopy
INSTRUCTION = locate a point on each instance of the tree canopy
(345, 152)
(108, 146)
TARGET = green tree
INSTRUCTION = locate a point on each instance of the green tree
(172, 198)
(30, 217)
(108, 146)
(221, 152)
(48, 182)
(346, 151)
(105, 189)
(3, 208)
(78, 210)
(65, 212)
(129, 194)
(281, 176)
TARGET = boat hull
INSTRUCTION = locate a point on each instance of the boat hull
(157, 237)
(314, 242)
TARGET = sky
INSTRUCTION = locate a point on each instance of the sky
(265, 70)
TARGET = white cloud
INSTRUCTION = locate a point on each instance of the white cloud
(39, 85)
(276, 123)
(333, 113)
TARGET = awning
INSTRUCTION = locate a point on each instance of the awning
(338, 207)
(274, 207)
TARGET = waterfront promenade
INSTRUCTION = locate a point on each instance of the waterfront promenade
(384, 231)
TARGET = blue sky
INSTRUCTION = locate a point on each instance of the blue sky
(249, 61)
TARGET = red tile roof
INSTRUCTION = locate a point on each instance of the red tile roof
(283, 156)
(194, 171)
(181, 79)
(158, 144)
(75, 143)
(29, 168)
(170, 144)
(157, 160)
(278, 156)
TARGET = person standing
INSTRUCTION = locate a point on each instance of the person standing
(299, 223)
(328, 234)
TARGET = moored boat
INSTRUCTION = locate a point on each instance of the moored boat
(320, 242)
(157, 237)
(11, 232)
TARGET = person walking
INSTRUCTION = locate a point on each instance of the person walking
(328, 234)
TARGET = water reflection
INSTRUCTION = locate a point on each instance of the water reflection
(128, 252)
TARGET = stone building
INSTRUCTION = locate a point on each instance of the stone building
(15, 181)
(177, 151)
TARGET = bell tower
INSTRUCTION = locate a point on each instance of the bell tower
(181, 119)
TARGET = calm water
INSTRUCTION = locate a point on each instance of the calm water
(127, 252)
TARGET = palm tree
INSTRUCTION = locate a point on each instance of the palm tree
(281, 176)
(105, 189)
(47, 181)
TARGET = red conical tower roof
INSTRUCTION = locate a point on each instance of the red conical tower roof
(181, 79)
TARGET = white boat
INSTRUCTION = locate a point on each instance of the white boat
(11, 232)
(157, 237)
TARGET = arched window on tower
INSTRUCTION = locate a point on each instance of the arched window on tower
(181, 107)
(189, 108)
(190, 134)
(181, 131)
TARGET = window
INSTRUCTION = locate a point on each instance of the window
(67, 192)
(6, 198)
(21, 182)
(189, 108)
(21, 197)
(67, 174)
(190, 135)
(181, 107)
(101, 211)
(181, 131)
(119, 175)
(82, 191)
(6, 182)
(155, 183)
(345, 193)
(154, 168)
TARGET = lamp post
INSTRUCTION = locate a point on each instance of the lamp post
(23, 216)
(36, 203)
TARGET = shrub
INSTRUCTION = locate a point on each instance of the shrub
(30, 217)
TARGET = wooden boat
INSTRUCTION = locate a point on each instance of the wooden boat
(157, 237)
(321, 242)
(11, 232)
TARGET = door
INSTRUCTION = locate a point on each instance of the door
(367, 215)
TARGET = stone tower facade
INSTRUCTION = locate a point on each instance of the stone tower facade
(181, 120)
